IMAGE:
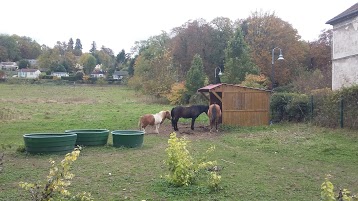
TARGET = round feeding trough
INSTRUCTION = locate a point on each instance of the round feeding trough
(57, 143)
(127, 138)
(90, 137)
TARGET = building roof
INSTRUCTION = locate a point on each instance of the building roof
(8, 63)
(28, 70)
(212, 87)
(347, 14)
(120, 73)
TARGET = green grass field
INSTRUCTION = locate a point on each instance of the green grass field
(278, 162)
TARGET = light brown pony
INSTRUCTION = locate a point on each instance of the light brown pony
(153, 120)
(214, 114)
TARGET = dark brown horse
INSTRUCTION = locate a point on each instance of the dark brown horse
(187, 112)
(214, 114)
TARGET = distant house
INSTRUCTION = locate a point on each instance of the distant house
(119, 75)
(345, 48)
(28, 73)
(9, 66)
(60, 74)
(97, 74)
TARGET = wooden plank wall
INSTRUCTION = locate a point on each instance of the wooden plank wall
(245, 108)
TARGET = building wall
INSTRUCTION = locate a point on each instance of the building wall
(246, 108)
(345, 54)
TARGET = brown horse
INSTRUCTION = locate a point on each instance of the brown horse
(214, 114)
(153, 120)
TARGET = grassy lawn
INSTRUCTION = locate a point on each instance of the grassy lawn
(278, 162)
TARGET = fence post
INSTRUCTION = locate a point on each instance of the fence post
(341, 112)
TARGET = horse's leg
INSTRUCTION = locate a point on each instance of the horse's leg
(192, 123)
(157, 128)
(216, 125)
(175, 123)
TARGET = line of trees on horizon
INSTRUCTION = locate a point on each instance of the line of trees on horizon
(242, 49)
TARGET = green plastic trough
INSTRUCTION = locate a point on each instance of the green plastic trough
(90, 137)
(57, 143)
(127, 138)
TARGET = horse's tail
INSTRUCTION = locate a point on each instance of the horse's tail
(213, 113)
(140, 123)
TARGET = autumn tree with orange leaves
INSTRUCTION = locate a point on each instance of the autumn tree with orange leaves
(265, 31)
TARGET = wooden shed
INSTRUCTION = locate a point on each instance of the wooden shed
(240, 105)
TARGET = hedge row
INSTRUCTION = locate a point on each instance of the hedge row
(323, 107)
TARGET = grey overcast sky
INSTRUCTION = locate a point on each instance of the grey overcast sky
(117, 24)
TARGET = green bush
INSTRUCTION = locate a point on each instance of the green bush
(49, 77)
(289, 107)
(327, 192)
(58, 179)
(327, 107)
(183, 169)
(70, 78)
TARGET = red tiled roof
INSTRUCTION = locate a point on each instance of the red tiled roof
(210, 86)
(347, 14)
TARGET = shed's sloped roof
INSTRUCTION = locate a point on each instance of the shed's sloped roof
(208, 88)
(347, 14)
(212, 87)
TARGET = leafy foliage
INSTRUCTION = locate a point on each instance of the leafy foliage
(195, 78)
(264, 31)
(237, 60)
(154, 72)
(177, 93)
(58, 180)
(88, 61)
(199, 37)
(306, 81)
(14, 48)
(327, 192)
(256, 81)
(78, 48)
(183, 169)
(289, 106)
(321, 54)
(327, 107)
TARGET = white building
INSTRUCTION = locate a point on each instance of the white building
(28, 73)
(345, 48)
(60, 74)
(9, 66)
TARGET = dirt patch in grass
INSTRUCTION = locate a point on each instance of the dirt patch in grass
(200, 131)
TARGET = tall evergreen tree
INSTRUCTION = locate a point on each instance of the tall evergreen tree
(121, 57)
(93, 47)
(195, 78)
(237, 60)
(78, 48)
(70, 45)
(131, 66)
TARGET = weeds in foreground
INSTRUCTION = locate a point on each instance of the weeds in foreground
(183, 169)
(327, 192)
(58, 179)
